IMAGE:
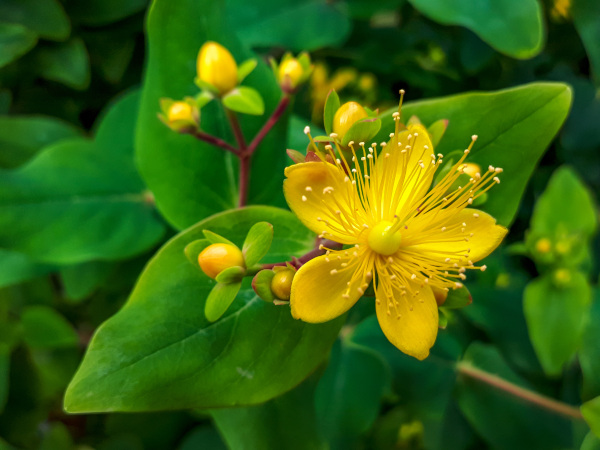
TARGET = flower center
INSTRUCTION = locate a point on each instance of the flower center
(383, 240)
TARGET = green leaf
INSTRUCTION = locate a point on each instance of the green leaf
(566, 205)
(193, 249)
(503, 420)
(21, 137)
(81, 280)
(513, 28)
(514, 127)
(202, 437)
(589, 356)
(245, 69)
(159, 352)
(67, 63)
(181, 170)
(264, 23)
(44, 328)
(591, 414)
(80, 200)
(556, 318)
(257, 243)
(458, 298)
(261, 283)
(332, 104)
(104, 12)
(15, 41)
(436, 131)
(586, 18)
(362, 131)
(244, 100)
(231, 275)
(286, 422)
(349, 395)
(16, 267)
(56, 437)
(214, 238)
(220, 298)
(46, 18)
(4, 372)
(591, 442)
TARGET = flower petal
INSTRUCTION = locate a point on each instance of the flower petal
(486, 234)
(319, 287)
(411, 322)
(404, 177)
(315, 191)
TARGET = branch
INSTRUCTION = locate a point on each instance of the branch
(213, 140)
(539, 400)
(314, 253)
(270, 123)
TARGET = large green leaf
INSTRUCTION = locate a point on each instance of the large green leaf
(15, 41)
(503, 420)
(349, 394)
(22, 136)
(514, 127)
(511, 27)
(292, 24)
(286, 422)
(80, 200)
(46, 18)
(586, 18)
(556, 317)
(189, 178)
(160, 352)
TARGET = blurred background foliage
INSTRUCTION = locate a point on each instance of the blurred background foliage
(69, 77)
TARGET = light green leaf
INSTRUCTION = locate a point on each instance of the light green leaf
(44, 328)
(586, 18)
(514, 127)
(244, 100)
(181, 170)
(513, 28)
(46, 18)
(362, 131)
(332, 104)
(264, 23)
(160, 352)
(591, 442)
(214, 238)
(349, 395)
(591, 414)
(193, 249)
(231, 275)
(261, 283)
(503, 420)
(67, 63)
(15, 41)
(556, 318)
(56, 208)
(286, 422)
(219, 299)
(21, 137)
(245, 69)
(257, 243)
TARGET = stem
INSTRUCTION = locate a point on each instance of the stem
(317, 251)
(281, 107)
(244, 179)
(213, 140)
(529, 396)
(237, 130)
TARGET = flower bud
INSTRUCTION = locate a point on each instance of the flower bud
(290, 73)
(217, 257)
(543, 245)
(346, 116)
(180, 115)
(281, 284)
(216, 66)
(471, 169)
(561, 277)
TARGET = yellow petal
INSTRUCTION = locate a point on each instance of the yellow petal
(319, 295)
(315, 191)
(411, 323)
(402, 179)
(487, 235)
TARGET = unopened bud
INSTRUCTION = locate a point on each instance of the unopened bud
(346, 116)
(471, 169)
(562, 277)
(281, 284)
(543, 245)
(290, 73)
(216, 66)
(180, 111)
(217, 257)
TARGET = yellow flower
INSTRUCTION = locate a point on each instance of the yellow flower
(215, 65)
(397, 233)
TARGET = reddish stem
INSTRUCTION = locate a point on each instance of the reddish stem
(244, 179)
(237, 131)
(213, 140)
(314, 253)
(281, 107)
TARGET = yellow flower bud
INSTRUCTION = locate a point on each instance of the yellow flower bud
(290, 73)
(281, 284)
(346, 116)
(562, 277)
(543, 245)
(217, 257)
(180, 111)
(216, 66)
(471, 169)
